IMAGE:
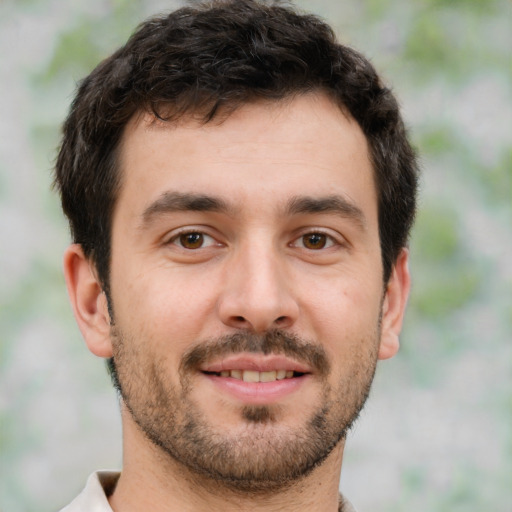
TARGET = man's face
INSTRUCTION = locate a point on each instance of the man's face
(246, 285)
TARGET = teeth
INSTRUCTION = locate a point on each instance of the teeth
(250, 376)
(255, 376)
(236, 374)
(268, 376)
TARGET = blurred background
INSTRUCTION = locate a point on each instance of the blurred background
(436, 434)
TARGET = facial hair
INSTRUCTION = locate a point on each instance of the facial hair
(262, 457)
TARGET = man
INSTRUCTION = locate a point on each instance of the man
(240, 191)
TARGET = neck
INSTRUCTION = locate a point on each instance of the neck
(152, 480)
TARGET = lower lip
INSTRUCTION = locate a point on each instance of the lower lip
(257, 393)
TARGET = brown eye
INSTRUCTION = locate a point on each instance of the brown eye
(191, 240)
(314, 241)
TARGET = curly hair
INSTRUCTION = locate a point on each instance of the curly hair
(211, 58)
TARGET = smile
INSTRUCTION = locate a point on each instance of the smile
(253, 379)
(255, 376)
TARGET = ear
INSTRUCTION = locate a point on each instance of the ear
(393, 307)
(88, 301)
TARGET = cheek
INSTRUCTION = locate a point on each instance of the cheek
(342, 296)
(167, 307)
(342, 312)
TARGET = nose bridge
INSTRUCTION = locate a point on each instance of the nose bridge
(262, 276)
(257, 295)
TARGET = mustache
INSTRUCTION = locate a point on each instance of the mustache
(271, 342)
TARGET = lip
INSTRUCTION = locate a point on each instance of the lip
(256, 393)
(259, 363)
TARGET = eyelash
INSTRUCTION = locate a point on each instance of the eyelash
(175, 239)
(329, 240)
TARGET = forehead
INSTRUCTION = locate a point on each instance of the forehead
(304, 145)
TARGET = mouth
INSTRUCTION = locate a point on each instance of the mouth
(256, 380)
(256, 376)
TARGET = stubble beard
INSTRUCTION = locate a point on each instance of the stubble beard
(262, 456)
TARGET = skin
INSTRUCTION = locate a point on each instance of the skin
(255, 271)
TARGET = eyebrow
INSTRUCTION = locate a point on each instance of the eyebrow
(170, 202)
(336, 204)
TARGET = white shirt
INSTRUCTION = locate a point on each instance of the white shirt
(101, 484)
(94, 496)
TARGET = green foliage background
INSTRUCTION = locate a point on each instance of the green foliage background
(436, 434)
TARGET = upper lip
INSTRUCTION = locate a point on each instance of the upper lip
(258, 363)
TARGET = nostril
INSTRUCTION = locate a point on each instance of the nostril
(240, 319)
(281, 319)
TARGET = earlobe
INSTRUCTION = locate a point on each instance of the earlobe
(393, 308)
(88, 301)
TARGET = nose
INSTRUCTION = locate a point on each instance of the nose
(257, 293)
